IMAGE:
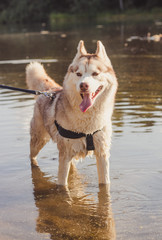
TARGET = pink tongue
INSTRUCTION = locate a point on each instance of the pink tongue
(86, 103)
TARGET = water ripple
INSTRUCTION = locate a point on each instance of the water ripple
(25, 61)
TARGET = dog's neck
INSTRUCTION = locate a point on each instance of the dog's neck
(93, 119)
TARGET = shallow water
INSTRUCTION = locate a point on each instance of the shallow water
(31, 204)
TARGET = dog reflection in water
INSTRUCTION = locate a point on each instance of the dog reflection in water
(70, 214)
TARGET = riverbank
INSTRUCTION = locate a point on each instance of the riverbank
(57, 21)
(133, 15)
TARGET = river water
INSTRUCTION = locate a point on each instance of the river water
(31, 204)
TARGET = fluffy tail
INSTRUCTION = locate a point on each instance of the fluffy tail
(37, 78)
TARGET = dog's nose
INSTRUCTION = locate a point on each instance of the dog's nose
(84, 86)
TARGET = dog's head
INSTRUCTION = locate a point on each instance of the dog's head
(89, 75)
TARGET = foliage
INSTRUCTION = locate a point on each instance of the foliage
(29, 11)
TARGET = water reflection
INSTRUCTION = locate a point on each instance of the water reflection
(136, 158)
(139, 98)
(71, 214)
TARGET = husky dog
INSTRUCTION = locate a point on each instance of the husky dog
(78, 117)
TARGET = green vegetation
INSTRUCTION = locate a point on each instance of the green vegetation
(133, 15)
(32, 11)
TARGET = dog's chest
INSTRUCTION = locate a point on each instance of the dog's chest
(87, 125)
(76, 147)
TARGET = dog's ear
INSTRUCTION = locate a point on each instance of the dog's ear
(101, 52)
(81, 48)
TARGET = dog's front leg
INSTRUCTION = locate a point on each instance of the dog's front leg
(64, 167)
(102, 159)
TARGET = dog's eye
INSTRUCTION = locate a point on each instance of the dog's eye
(78, 74)
(95, 74)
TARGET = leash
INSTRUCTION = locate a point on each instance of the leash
(35, 92)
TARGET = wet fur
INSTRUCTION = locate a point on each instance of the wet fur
(65, 109)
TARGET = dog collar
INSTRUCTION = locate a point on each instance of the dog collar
(74, 135)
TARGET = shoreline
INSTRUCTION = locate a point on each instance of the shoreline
(133, 15)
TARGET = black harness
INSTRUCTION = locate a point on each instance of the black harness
(74, 135)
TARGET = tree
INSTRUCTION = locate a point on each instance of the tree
(121, 5)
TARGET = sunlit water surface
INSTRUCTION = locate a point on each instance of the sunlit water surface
(31, 204)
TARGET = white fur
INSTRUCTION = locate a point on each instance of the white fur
(65, 109)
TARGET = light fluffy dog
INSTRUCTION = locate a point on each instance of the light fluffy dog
(79, 117)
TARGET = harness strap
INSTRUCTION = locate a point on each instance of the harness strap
(74, 135)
